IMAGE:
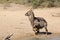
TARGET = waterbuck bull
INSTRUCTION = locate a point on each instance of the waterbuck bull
(36, 22)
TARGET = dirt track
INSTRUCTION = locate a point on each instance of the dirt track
(14, 21)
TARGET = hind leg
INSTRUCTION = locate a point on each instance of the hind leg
(46, 30)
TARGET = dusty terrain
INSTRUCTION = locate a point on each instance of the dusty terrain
(13, 21)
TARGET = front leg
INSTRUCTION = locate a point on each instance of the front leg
(36, 30)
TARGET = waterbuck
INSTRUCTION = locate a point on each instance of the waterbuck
(36, 22)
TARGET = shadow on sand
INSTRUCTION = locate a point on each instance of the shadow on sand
(39, 36)
(43, 33)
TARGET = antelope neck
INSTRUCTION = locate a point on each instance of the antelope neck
(31, 18)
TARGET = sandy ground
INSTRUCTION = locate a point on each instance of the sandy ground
(13, 21)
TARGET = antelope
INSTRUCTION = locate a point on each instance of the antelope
(36, 22)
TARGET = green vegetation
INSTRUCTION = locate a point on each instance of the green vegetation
(35, 3)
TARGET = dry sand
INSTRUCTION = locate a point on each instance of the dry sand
(13, 21)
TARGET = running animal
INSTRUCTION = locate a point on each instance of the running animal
(36, 22)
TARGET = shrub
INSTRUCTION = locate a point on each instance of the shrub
(35, 3)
